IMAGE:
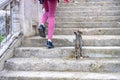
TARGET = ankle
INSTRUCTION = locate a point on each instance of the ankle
(42, 24)
(50, 40)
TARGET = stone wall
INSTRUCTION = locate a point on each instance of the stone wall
(2, 22)
(29, 16)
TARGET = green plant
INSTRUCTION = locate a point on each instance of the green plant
(1, 38)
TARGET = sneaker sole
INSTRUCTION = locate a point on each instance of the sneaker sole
(49, 47)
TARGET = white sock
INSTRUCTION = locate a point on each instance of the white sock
(42, 24)
(50, 40)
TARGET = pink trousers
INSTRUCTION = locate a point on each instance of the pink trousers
(50, 12)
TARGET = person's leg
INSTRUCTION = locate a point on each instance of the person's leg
(41, 28)
(45, 15)
(51, 19)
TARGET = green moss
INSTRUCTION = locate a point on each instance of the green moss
(1, 38)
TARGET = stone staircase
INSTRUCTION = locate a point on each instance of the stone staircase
(99, 20)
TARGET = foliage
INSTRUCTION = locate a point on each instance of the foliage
(1, 38)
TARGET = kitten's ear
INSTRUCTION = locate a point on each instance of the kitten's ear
(75, 33)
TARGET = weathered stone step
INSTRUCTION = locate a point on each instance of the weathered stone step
(88, 24)
(63, 40)
(66, 52)
(32, 75)
(87, 13)
(89, 8)
(56, 64)
(76, 4)
(95, 1)
(89, 19)
(88, 31)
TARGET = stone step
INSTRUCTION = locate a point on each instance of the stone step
(88, 5)
(95, 1)
(77, 4)
(56, 64)
(66, 52)
(63, 40)
(88, 8)
(89, 19)
(88, 24)
(23, 75)
(88, 31)
(87, 13)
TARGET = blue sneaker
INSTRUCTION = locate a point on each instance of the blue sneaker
(41, 30)
(50, 45)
